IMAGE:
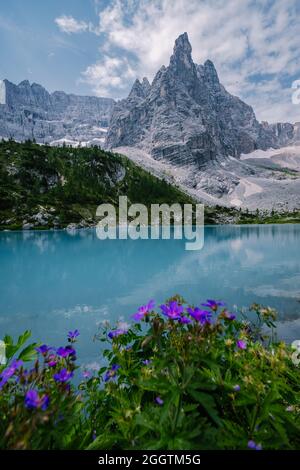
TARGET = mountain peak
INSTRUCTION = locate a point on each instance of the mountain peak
(211, 74)
(181, 60)
(182, 43)
(139, 90)
(145, 84)
(24, 83)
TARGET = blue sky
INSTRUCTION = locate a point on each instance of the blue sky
(100, 46)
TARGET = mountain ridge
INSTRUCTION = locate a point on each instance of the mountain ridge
(29, 111)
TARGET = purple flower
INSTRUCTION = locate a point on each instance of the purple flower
(72, 335)
(146, 362)
(236, 388)
(252, 445)
(65, 352)
(213, 304)
(52, 360)
(143, 310)
(227, 315)
(63, 376)
(172, 310)
(34, 401)
(241, 344)
(202, 316)
(115, 333)
(7, 373)
(111, 373)
(185, 320)
(43, 349)
(86, 374)
(159, 401)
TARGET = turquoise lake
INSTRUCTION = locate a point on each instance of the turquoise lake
(51, 282)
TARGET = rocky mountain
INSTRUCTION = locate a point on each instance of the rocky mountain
(28, 111)
(187, 116)
(187, 127)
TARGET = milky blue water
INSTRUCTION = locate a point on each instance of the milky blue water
(51, 282)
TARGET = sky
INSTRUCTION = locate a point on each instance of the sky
(99, 47)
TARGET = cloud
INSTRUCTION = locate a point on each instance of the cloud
(69, 25)
(111, 73)
(254, 45)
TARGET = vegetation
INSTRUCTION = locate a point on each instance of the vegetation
(49, 187)
(46, 187)
(184, 378)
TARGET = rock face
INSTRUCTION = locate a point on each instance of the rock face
(30, 112)
(187, 117)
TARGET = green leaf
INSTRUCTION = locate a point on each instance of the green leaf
(29, 353)
(208, 403)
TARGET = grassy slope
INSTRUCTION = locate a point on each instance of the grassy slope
(51, 187)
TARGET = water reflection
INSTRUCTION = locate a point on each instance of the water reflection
(53, 281)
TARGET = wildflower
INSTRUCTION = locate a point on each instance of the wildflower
(202, 316)
(52, 360)
(184, 320)
(146, 362)
(213, 304)
(241, 344)
(7, 373)
(111, 373)
(143, 310)
(65, 352)
(63, 376)
(236, 388)
(115, 333)
(86, 374)
(227, 315)
(43, 349)
(252, 445)
(228, 342)
(34, 401)
(159, 401)
(72, 335)
(172, 310)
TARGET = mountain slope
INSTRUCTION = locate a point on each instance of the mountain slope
(44, 187)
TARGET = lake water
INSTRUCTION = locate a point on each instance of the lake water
(51, 282)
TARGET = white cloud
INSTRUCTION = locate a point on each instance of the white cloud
(68, 24)
(111, 73)
(254, 45)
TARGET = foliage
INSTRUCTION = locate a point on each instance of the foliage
(67, 184)
(185, 378)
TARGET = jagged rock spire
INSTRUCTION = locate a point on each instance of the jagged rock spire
(182, 54)
(211, 74)
(140, 90)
